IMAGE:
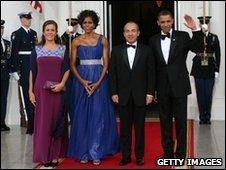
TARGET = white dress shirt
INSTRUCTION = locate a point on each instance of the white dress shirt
(26, 29)
(73, 35)
(165, 45)
(131, 54)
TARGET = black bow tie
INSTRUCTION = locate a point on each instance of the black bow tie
(163, 36)
(130, 45)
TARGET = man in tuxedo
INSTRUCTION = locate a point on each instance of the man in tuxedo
(170, 49)
(132, 80)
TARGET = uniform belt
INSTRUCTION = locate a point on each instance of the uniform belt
(24, 52)
(206, 54)
(90, 62)
(3, 61)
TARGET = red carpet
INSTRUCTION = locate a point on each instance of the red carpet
(153, 150)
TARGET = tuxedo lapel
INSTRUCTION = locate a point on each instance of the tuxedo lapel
(172, 47)
(159, 48)
(125, 56)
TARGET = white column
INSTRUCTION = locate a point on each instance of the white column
(217, 26)
(59, 11)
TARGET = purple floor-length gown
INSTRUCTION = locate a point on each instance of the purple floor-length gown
(48, 65)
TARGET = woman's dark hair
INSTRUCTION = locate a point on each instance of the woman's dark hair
(88, 13)
(56, 39)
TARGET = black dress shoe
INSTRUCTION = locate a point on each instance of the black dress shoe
(208, 122)
(140, 161)
(4, 128)
(49, 164)
(54, 163)
(29, 131)
(201, 122)
(165, 156)
(181, 157)
(124, 161)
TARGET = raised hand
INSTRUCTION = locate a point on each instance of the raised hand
(190, 23)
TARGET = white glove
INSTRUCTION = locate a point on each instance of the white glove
(15, 76)
(216, 74)
(204, 28)
(69, 29)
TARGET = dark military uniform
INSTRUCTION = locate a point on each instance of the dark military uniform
(205, 75)
(65, 38)
(22, 44)
(5, 70)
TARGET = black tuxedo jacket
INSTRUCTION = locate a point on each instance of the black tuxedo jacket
(174, 73)
(138, 81)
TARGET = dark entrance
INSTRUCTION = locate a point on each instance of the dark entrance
(143, 12)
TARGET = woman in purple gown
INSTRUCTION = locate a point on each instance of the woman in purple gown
(49, 62)
(93, 131)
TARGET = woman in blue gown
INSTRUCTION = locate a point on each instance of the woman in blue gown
(93, 132)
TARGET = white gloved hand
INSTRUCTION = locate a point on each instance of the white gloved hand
(204, 28)
(216, 74)
(15, 76)
(69, 29)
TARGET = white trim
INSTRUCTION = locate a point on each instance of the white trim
(24, 52)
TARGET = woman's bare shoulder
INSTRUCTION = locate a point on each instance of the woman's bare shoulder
(104, 39)
(76, 41)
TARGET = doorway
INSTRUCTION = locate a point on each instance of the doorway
(145, 14)
(142, 12)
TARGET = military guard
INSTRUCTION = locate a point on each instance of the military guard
(205, 69)
(23, 42)
(5, 70)
(72, 31)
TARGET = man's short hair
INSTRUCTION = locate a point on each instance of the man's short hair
(164, 12)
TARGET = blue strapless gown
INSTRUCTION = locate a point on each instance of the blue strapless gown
(93, 132)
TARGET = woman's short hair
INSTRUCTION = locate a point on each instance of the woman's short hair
(88, 13)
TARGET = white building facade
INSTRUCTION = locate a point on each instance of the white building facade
(60, 10)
